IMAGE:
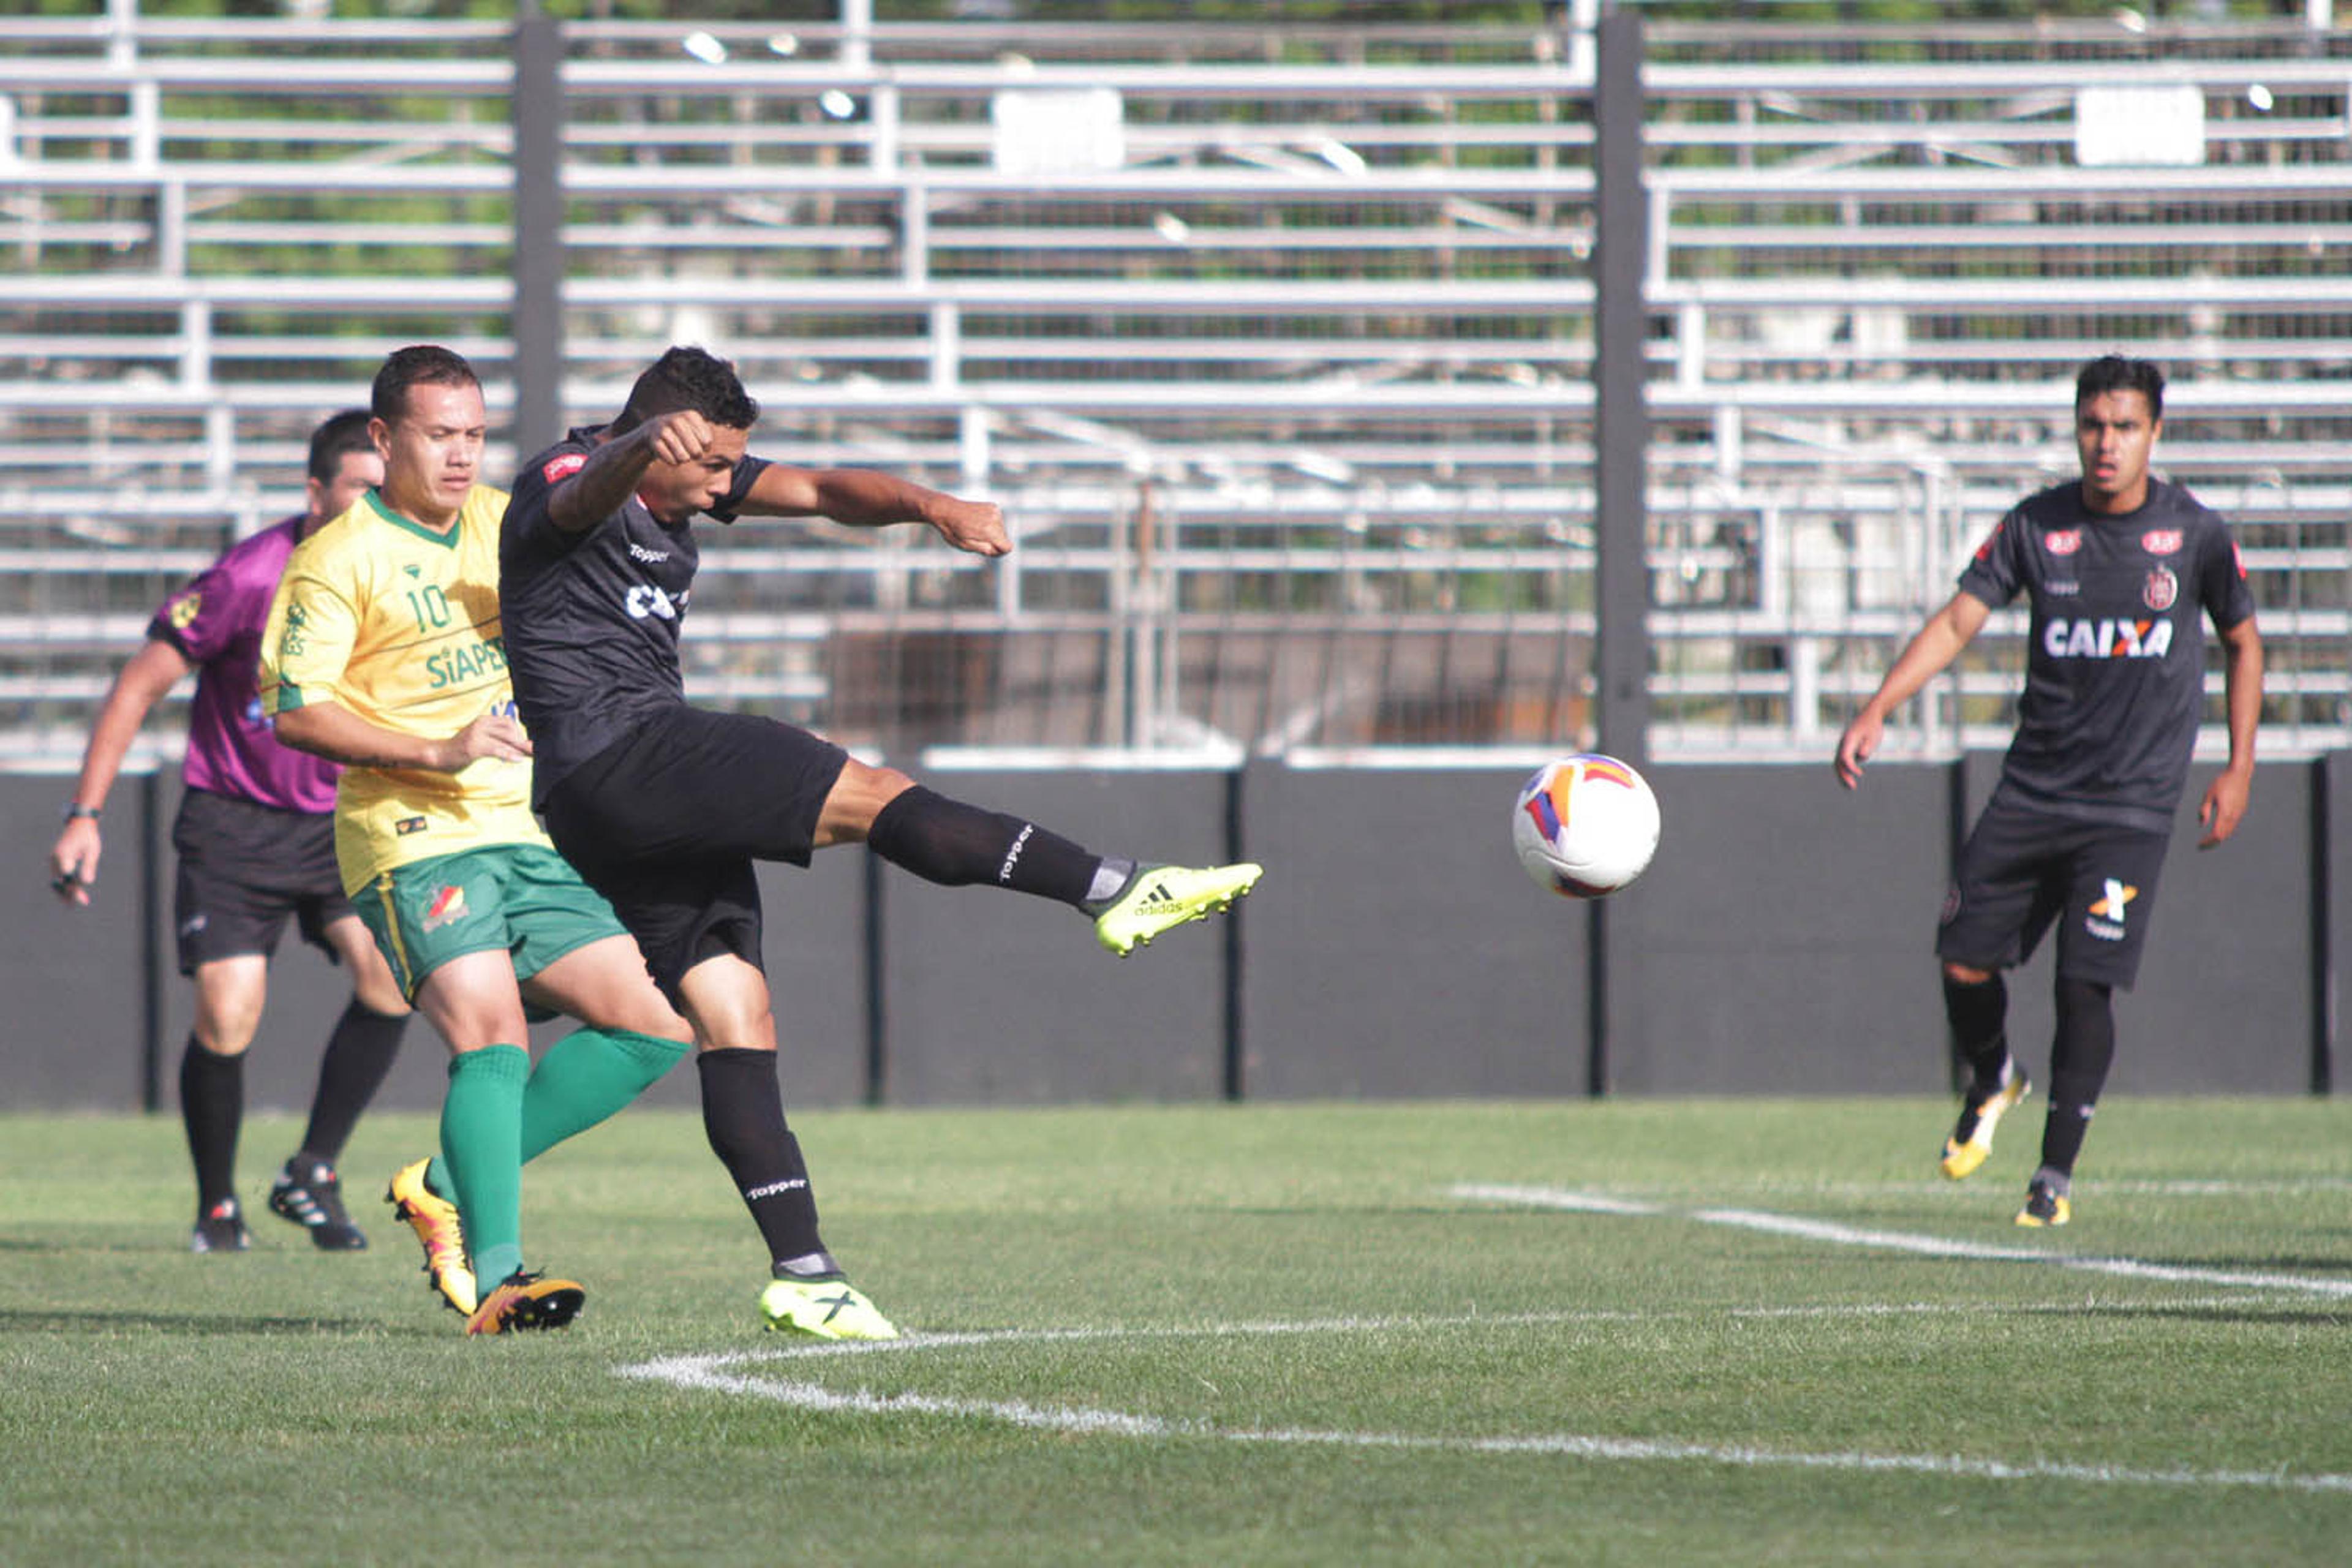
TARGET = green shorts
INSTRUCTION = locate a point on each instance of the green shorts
(521, 898)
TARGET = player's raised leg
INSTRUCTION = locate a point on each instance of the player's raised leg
(954, 844)
(1976, 1004)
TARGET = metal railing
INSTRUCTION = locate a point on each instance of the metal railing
(1281, 366)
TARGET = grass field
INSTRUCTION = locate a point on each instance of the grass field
(1634, 1332)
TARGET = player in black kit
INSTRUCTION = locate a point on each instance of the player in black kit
(664, 808)
(2118, 569)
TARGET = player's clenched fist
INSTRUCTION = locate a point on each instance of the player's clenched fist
(679, 437)
(977, 526)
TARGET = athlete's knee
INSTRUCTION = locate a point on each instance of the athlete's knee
(230, 994)
(857, 797)
(643, 1010)
(474, 1001)
(727, 1000)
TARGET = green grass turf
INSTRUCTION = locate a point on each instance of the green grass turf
(1307, 1278)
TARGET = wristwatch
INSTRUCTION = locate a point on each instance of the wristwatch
(75, 808)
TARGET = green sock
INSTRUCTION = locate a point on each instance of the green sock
(481, 1137)
(597, 1073)
(584, 1078)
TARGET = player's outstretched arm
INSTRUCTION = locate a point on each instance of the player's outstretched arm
(151, 672)
(862, 498)
(2226, 797)
(339, 735)
(1934, 645)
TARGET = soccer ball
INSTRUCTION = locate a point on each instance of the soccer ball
(1585, 825)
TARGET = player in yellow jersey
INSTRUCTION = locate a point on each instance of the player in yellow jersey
(383, 653)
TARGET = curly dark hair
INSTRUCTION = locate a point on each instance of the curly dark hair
(691, 378)
(2117, 372)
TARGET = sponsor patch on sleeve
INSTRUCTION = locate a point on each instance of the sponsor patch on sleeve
(564, 466)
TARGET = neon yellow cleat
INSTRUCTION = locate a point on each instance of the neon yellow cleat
(1970, 1143)
(2045, 1207)
(826, 1309)
(1159, 897)
(527, 1301)
(434, 1218)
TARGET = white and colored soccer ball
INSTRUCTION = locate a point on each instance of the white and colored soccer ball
(1585, 825)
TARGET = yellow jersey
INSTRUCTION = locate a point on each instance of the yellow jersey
(400, 626)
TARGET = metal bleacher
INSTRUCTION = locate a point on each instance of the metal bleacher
(1275, 342)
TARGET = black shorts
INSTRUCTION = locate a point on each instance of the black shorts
(2022, 869)
(667, 822)
(244, 867)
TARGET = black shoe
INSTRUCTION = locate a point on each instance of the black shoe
(311, 1195)
(220, 1228)
(2046, 1206)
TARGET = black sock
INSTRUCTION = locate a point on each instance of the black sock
(743, 1115)
(952, 844)
(2063, 1131)
(1977, 1014)
(359, 1053)
(212, 1105)
(2079, 1059)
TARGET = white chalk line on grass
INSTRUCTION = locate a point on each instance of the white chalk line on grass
(717, 1374)
(2128, 1186)
(1906, 1241)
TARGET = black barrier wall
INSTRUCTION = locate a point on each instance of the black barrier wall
(1782, 942)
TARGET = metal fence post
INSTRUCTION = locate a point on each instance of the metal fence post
(1620, 654)
(537, 111)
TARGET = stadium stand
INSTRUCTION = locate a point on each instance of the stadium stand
(1275, 344)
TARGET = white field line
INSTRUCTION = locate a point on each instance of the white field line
(2175, 1187)
(1923, 1246)
(717, 1374)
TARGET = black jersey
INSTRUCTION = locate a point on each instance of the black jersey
(592, 619)
(2114, 672)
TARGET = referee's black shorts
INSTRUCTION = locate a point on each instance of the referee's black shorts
(243, 868)
(667, 822)
(2024, 870)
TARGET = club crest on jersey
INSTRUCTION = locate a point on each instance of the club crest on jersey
(2063, 541)
(184, 611)
(2160, 589)
(2161, 540)
(564, 466)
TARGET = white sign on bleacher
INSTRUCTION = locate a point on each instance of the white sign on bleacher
(2126, 127)
(1058, 131)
